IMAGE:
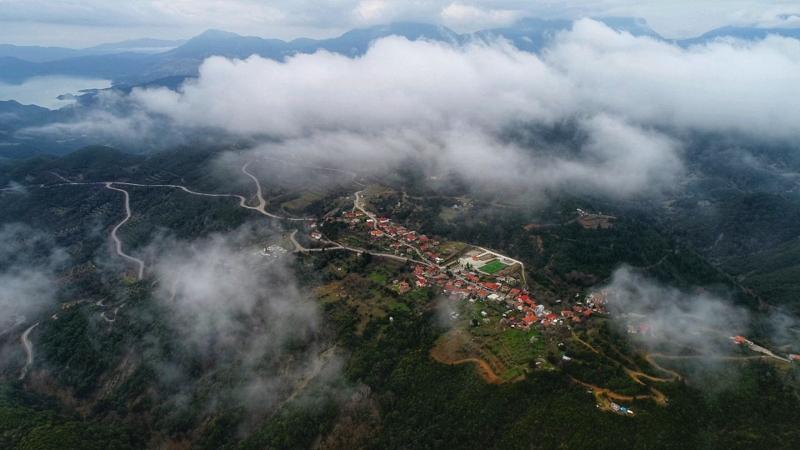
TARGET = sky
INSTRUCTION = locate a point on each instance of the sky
(83, 23)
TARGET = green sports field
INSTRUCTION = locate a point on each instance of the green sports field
(493, 267)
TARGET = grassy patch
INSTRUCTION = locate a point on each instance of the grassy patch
(493, 267)
(377, 277)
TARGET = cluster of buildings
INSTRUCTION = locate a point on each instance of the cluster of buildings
(402, 240)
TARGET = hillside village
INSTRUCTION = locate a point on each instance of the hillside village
(464, 272)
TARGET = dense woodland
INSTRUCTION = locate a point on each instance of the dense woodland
(389, 394)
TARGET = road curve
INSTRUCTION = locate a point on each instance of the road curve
(117, 242)
(28, 349)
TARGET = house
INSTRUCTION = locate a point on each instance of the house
(404, 287)
(397, 244)
(483, 293)
(588, 312)
(567, 313)
(490, 286)
(551, 317)
(739, 340)
(384, 221)
(576, 319)
(529, 319)
(313, 225)
(316, 235)
(376, 233)
(423, 238)
(515, 291)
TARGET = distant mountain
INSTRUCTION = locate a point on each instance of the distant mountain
(145, 45)
(746, 33)
(132, 63)
(44, 54)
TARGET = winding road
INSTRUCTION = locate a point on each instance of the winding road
(28, 349)
(117, 242)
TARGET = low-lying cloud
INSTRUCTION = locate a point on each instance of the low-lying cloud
(630, 99)
(699, 323)
(29, 262)
(231, 306)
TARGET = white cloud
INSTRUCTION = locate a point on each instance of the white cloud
(452, 106)
(459, 15)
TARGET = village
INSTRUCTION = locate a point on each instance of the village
(497, 322)
(467, 273)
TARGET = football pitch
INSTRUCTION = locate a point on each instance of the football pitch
(493, 267)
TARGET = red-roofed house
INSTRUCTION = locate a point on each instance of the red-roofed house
(384, 220)
(551, 317)
(515, 291)
(739, 340)
(491, 286)
(530, 319)
(316, 235)
(483, 293)
(376, 233)
(588, 312)
(567, 313)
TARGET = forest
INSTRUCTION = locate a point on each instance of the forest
(114, 368)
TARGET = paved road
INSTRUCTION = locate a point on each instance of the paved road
(117, 242)
(28, 349)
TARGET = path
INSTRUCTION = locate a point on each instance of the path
(28, 349)
(117, 242)
(598, 391)
(484, 369)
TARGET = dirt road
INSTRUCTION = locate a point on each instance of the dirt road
(117, 242)
(28, 349)
(484, 369)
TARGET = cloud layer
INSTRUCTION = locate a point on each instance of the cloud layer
(629, 98)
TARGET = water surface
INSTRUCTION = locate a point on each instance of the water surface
(44, 91)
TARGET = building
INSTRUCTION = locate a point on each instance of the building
(316, 235)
